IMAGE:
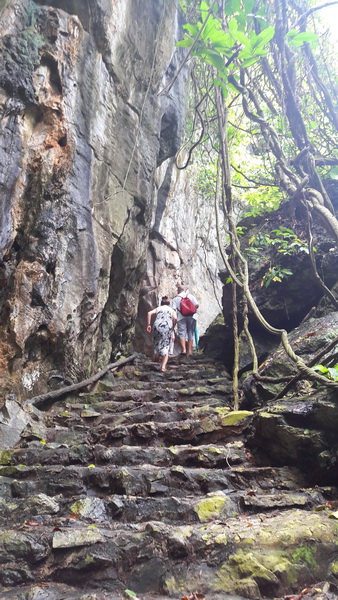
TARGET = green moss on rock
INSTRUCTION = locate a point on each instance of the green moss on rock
(5, 457)
(334, 568)
(222, 410)
(241, 566)
(236, 417)
(210, 508)
(305, 554)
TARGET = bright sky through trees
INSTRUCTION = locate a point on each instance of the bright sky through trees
(329, 17)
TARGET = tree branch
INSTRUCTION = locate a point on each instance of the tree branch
(39, 401)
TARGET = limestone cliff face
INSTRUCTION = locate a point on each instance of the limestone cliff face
(82, 132)
(182, 248)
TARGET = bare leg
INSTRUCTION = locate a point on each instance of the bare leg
(183, 345)
(164, 360)
(189, 351)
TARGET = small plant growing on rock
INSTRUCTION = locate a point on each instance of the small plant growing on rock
(330, 373)
(275, 274)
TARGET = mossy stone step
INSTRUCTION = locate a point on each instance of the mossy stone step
(131, 406)
(219, 426)
(256, 556)
(152, 412)
(191, 456)
(143, 480)
(41, 509)
(61, 511)
(154, 392)
(295, 499)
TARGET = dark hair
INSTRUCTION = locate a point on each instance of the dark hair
(165, 300)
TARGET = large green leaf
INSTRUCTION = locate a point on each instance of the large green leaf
(187, 42)
(263, 37)
(221, 41)
(204, 9)
(245, 53)
(241, 37)
(248, 6)
(192, 29)
(242, 20)
(249, 61)
(233, 26)
(232, 6)
(213, 58)
(298, 39)
(211, 28)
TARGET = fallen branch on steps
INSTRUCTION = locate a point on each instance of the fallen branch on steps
(56, 394)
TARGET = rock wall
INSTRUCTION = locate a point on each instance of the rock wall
(183, 248)
(82, 131)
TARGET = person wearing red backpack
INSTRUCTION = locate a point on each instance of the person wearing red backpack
(186, 305)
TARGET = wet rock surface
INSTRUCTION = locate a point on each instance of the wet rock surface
(147, 484)
(83, 130)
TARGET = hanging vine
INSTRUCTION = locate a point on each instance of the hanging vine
(264, 56)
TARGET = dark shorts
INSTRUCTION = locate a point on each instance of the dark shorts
(186, 328)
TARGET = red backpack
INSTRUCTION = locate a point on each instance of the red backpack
(187, 307)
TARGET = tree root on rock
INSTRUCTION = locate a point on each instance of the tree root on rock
(53, 396)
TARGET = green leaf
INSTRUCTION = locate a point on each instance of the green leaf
(187, 42)
(130, 594)
(298, 39)
(232, 6)
(211, 28)
(248, 5)
(192, 29)
(241, 37)
(246, 53)
(204, 9)
(249, 61)
(320, 368)
(263, 37)
(232, 87)
(222, 41)
(241, 20)
(212, 58)
(233, 26)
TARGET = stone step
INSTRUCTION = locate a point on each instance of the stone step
(133, 413)
(40, 508)
(210, 428)
(179, 390)
(144, 480)
(173, 376)
(236, 555)
(145, 484)
(55, 591)
(207, 456)
(47, 590)
(217, 425)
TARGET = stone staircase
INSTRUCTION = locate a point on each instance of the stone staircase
(143, 488)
